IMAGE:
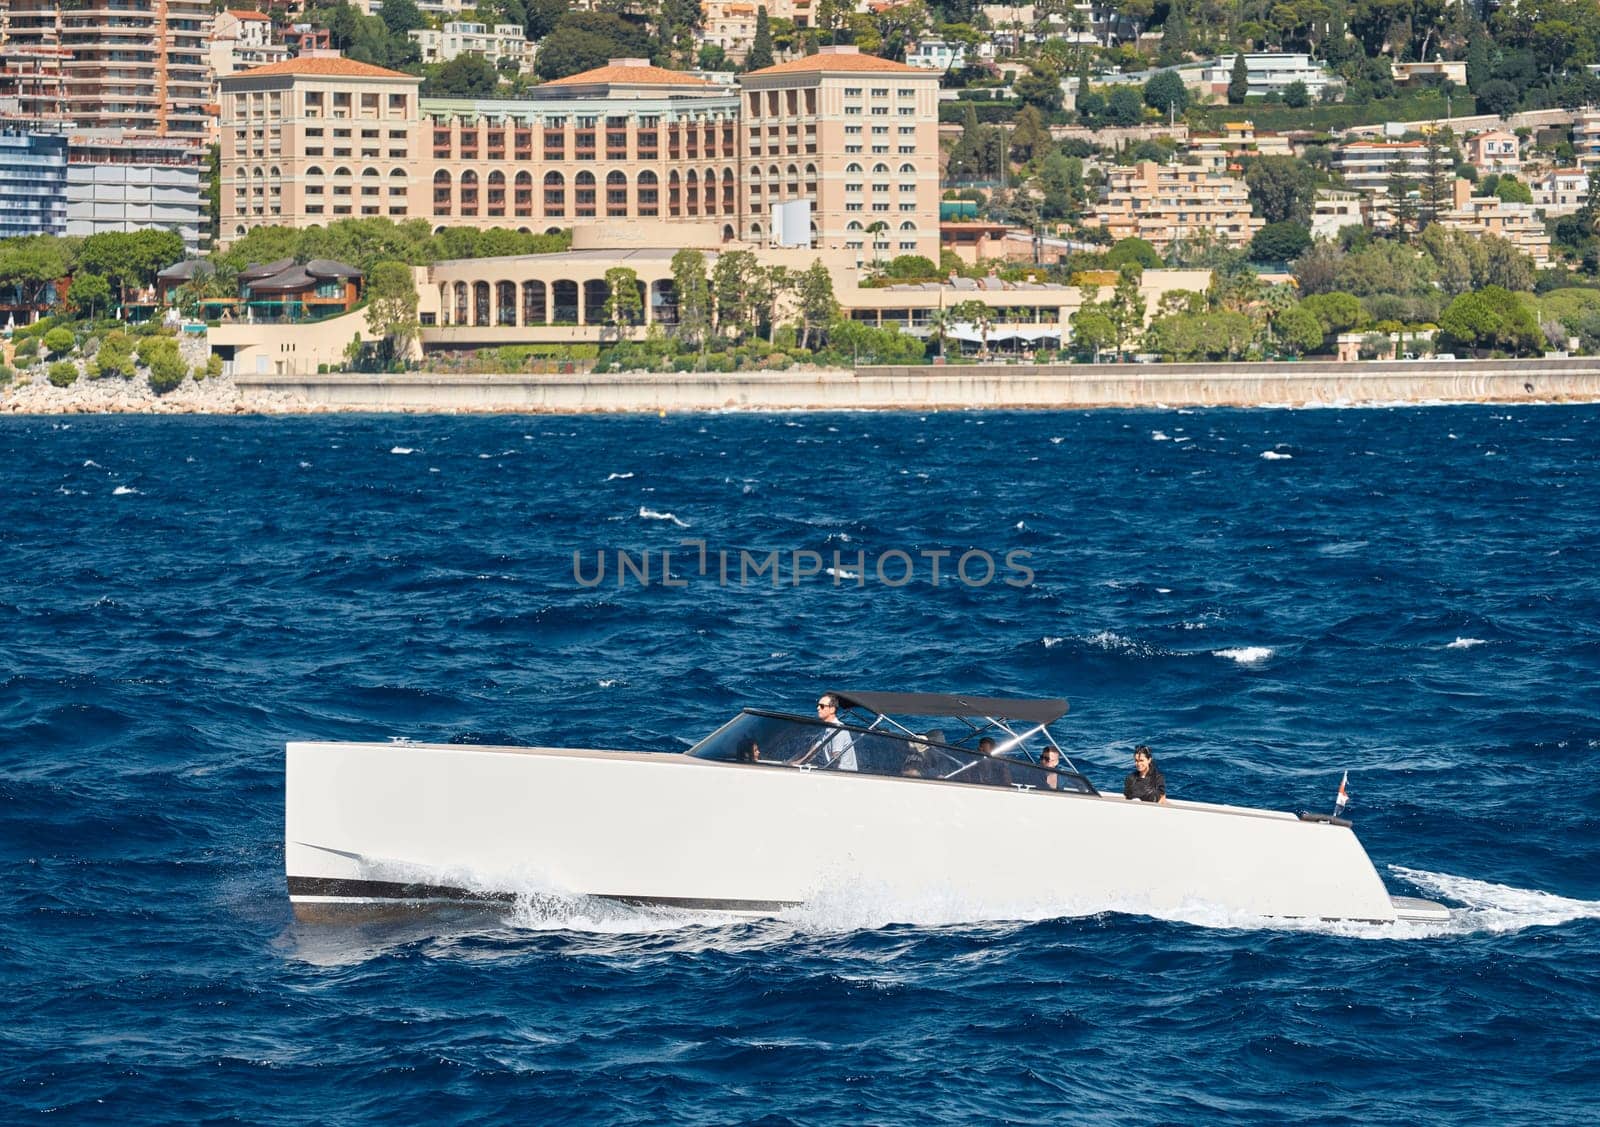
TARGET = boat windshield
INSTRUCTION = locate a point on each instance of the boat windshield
(778, 739)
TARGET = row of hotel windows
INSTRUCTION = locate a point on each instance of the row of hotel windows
(647, 143)
(687, 196)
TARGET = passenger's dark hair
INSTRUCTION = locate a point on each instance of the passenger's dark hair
(1144, 750)
(746, 752)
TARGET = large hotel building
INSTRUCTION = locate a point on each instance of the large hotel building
(316, 139)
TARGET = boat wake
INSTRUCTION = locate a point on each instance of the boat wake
(1494, 908)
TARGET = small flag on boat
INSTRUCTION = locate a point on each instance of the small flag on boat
(1339, 803)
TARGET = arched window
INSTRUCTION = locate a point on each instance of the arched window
(315, 171)
(555, 195)
(340, 171)
(274, 173)
(441, 192)
(853, 167)
(243, 173)
(880, 169)
(469, 196)
(908, 226)
(616, 194)
(497, 193)
(691, 192)
(649, 194)
(258, 172)
(364, 171)
(583, 195)
(523, 198)
(497, 177)
(853, 225)
(908, 170)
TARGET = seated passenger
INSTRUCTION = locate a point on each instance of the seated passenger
(836, 748)
(1145, 783)
(1050, 763)
(749, 751)
(991, 770)
(918, 763)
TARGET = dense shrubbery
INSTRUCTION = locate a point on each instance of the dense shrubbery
(63, 373)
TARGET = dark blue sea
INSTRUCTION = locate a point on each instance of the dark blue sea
(1269, 598)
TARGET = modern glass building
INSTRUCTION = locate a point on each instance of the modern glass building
(33, 184)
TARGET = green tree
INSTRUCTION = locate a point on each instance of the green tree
(760, 55)
(1437, 185)
(1125, 106)
(59, 341)
(166, 367)
(465, 76)
(1138, 251)
(1212, 335)
(114, 357)
(1127, 307)
(978, 314)
(392, 306)
(32, 263)
(1296, 96)
(1280, 242)
(1512, 190)
(815, 298)
(623, 307)
(1283, 188)
(1092, 329)
(693, 292)
(1403, 210)
(401, 16)
(1497, 96)
(89, 294)
(130, 259)
(585, 40)
(1490, 319)
(1166, 93)
(1297, 330)
(734, 280)
(1238, 80)
(1335, 312)
(1040, 88)
(1030, 137)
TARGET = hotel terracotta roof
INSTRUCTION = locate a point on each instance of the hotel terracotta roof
(827, 60)
(248, 14)
(323, 66)
(629, 74)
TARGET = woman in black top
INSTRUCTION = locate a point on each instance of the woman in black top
(1145, 782)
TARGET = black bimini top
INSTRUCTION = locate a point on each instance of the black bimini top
(1046, 711)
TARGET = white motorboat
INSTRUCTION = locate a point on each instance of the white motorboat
(773, 810)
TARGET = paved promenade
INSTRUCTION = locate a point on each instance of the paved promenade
(987, 386)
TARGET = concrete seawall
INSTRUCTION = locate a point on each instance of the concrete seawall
(950, 388)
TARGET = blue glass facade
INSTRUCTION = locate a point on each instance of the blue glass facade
(33, 184)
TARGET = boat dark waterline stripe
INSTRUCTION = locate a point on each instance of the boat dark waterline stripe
(398, 890)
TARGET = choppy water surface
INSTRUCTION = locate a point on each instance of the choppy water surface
(1269, 598)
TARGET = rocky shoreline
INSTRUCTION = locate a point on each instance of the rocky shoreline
(215, 395)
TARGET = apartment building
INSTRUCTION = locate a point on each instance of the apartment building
(1496, 150)
(495, 42)
(1586, 137)
(1560, 191)
(731, 24)
(1334, 210)
(1166, 203)
(1367, 165)
(1221, 151)
(856, 135)
(242, 39)
(33, 179)
(1270, 72)
(1519, 223)
(120, 183)
(315, 139)
(139, 65)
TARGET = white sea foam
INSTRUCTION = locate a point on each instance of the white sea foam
(402, 450)
(607, 682)
(91, 462)
(1057, 441)
(841, 573)
(1465, 643)
(305, 465)
(1163, 590)
(1494, 907)
(1159, 436)
(651, 514)
(1021, 526)
(618, 476)
(1246, 655)
(123, 490)
(1051, 643)
(1275, 456)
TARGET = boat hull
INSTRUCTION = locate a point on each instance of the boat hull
(394, 826)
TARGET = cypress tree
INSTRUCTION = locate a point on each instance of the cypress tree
(1238, 81)
(761, 50)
